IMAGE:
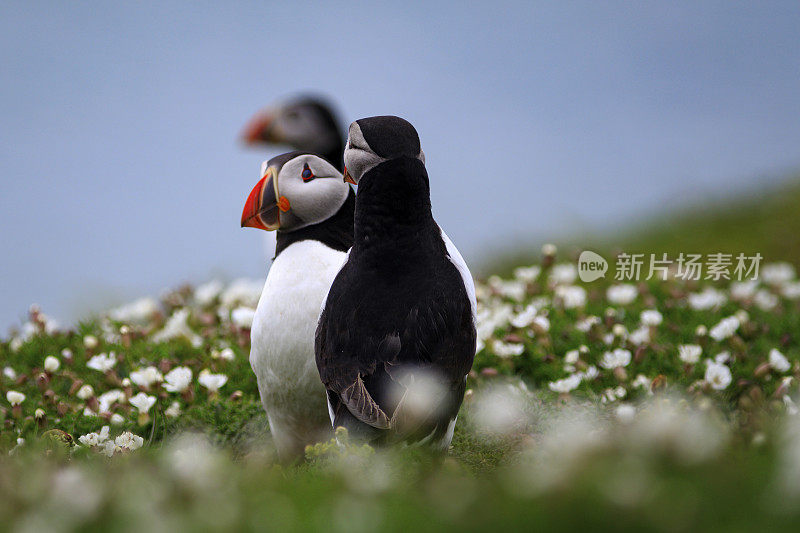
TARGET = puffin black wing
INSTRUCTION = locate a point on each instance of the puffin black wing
(396, 360)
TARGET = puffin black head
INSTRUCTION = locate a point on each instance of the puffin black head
(296, 190)
(373, 140)
(306, 123)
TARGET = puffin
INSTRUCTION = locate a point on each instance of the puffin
(308, 123)
(305, 200)
(397, 334)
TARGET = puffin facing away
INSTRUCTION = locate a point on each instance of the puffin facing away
(396, 337)
(306, 123)
(305, 199)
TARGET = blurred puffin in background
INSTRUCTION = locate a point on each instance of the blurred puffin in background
(305, 200)
(306, 123)
(397, 335)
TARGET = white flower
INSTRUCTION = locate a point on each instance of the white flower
(102, 362)
(722, 357)
(129, 441)
(585, 324)
(778, 361)
(571, 357)
(640, 336)
(51, 364)
(641, 382)
(38, 414)
(563, 274)
(212, 382)
(146, 377)
(177, 326)
(507, 349)
(549, 249)
(117, 419)
(690, 353)
(206, 294)
(137, 312)
(718, 375)
(14, 397)
(512, 289)
(174, 410)
(93, 439)
(791, 291)
(565, 385)
(178, 379)
(85, 392)
(142, 402)
(618, 358)
(108, 398)
(590, 373)
(621, 294)
(651, 317)
(527, 274)
(9, 373)
(777, 273)
(701, 331)
(90, 342)
(227, 354)
(618, 330)
(765, 300)
(525, 317)
(707, 299)
(571, 296)
(242, 317)
(743, 290)
(242, 292)
(725, 328)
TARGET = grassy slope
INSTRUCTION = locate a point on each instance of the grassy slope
(765, 221)
(731, 489)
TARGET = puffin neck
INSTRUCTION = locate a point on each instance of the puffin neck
(335, 232)
(393, 202)
(335, 156)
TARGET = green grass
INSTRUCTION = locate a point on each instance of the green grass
(764, 220)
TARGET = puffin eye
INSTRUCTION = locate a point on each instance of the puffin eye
(307, 174)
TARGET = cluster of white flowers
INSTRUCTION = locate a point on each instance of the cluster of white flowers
(100, 442)
(102, 362)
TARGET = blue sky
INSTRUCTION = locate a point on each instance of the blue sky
(122, 173)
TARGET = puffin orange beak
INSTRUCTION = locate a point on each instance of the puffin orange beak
(348, 178)
(258, 129)
(262, 209)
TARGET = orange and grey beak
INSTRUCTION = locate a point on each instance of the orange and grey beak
(260, 129)
(348, 178)
(263, 206)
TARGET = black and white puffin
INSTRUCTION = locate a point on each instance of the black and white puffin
(397, 336)
(305, 199)
(307, 123)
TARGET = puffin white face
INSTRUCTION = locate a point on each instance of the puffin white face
(305, 124)
(296, 190)
(371, 141)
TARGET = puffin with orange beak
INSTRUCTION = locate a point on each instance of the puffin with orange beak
(307, 123)
(305, 200)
